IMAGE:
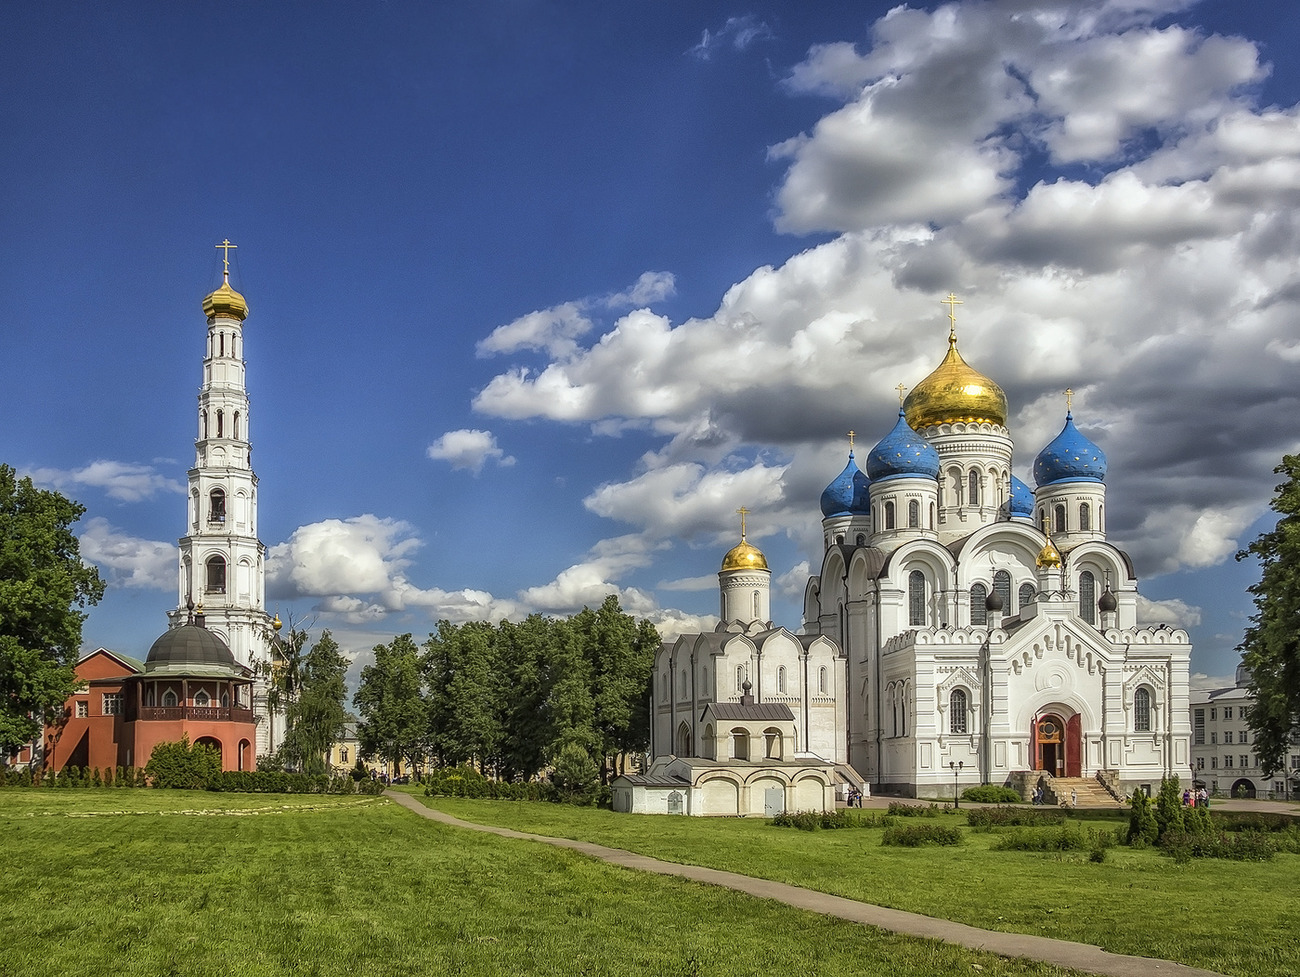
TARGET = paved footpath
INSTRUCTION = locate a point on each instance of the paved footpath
(1062, 953)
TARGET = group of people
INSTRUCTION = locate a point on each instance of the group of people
(1196, 798)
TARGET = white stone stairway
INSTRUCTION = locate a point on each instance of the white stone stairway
(1088, 789)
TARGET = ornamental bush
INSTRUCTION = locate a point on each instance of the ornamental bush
(899, 809)
(180, 765)
(1248, 846)
(1006, 817)
(916, 835)
(991, 794)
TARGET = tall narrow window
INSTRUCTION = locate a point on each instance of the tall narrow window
(931, 515)
(740, 677)
(216, 575)
(780, 680)
(740, 744)
(889, 515)
(204, 415)
(216, 506)
(913, 515)
(756, 605)
(1002, 587)
(822, 680)
(957, 711)
(1026, 595)
(1142, 711)
(220, 419)
(234, 427)
(1088, 597)
(978, 612)
(973, 487)
(916, 598)
(221, 338)
(1058, 516)
(1085, 517)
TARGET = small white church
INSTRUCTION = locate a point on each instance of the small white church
(964, 629)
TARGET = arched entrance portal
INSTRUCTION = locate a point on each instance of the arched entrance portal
(1243, 788)
(1058, 745)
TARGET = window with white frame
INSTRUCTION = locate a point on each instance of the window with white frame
(1142, 711)
(916, 598)
(112, 703)
(957, 711)
(83, 709)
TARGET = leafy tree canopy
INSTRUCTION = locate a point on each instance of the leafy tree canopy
(1271, 646)
(42, 583)
(316, 713)
(394, 713)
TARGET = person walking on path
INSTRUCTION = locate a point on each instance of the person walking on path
(1074, 797)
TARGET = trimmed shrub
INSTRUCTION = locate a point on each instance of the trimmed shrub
(1064, 838)
(180, 765)
(1142, 826)
(1264, 821)
(916, 835)
(827, 820)
(991, 794)
(899, 809)
(1169, 806)
(1006, 817)
(1247, 846)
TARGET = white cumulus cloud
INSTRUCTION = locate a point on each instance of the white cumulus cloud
(468, 450)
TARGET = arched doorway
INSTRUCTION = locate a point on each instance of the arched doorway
(1243, 788)
(684, 740)
(213, 742)
(1057, 745)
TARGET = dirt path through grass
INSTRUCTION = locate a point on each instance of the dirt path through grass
(1063, 953)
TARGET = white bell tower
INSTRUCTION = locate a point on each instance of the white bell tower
(222, 562)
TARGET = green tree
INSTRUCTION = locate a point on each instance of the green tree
(620, 657)
(525, 652)
(1169, 807)
(1271, 646)
(42, 582)
(394, 713)
(316, 715)
(462, 670)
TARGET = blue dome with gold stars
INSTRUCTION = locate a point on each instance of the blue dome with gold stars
(902, 452)
(849, 494)
(1021, 503)
(1070, 457)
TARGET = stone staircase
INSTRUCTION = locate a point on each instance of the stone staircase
(1090, 792)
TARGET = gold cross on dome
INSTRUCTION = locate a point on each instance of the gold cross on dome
(852, 435)
(1069, 400)
(225, 247)
(901, 388)
(742, 510)
(952, 302)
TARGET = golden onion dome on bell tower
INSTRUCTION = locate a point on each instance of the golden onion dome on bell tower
(225, 301)
(744, 555)
(955, 391)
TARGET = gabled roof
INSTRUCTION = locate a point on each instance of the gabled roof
(765, 712)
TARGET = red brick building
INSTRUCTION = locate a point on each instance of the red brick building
(189, 685)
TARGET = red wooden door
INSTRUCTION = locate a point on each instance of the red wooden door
(1074, 746)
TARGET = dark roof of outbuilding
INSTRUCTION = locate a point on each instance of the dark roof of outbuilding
(192, 650)
(757, 712)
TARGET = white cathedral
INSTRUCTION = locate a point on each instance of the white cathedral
(964, 629)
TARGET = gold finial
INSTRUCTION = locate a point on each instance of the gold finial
(277, 624)
(901, 388)
(225, 247)
(1069, 400)
(743, 511)
(852, 435)
(1049, 556)
(952, 302)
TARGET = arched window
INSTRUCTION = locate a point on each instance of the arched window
(772, 746)
(220, 423)
(234, 427)
(740, 744)
(973, 487)
(169, 699)
(1088, 597)
(202, 700)
(216, 583)
(1059, 518)
(957, 711)
(861, 540)
(780, 680)
(978, 612)
(216, 505)
(916, 598)
(204, 415)
(740, 677)
(684, 740)
(1002, 587)
(822, 684)
(1085, 517)
(889, 515)
(1142, 711)
(755, 605)
(685, 693)
(343, 754)
(1026, 595)
(913, 515)
(225, 700)
(931, 515)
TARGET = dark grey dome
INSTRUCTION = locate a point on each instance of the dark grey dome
(993, 602)
(189, 646)
(1108, 602)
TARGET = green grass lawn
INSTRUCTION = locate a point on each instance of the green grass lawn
(150, 882)
(1234, 917)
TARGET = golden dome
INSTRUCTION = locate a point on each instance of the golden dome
(743, 556)
(225, 301)
(955, 392)
(1049, 557)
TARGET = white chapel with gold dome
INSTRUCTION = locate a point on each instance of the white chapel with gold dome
(963, 629)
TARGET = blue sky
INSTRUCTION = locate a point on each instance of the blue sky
(541, 293)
